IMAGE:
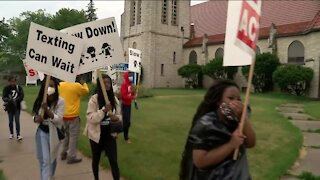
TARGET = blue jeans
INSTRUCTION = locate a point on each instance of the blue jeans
(16, 117)
(47, 169)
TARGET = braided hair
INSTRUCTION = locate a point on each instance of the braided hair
(210, 103)
(38, 101)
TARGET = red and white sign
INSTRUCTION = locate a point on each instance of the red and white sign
(242, 32)
(31, 73)
(248, 28)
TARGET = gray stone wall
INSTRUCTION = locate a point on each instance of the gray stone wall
(158, 41)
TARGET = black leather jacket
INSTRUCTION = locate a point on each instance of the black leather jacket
(12, 97)
(209, 132)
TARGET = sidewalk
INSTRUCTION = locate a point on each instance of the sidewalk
(19, 160)
(309, 159)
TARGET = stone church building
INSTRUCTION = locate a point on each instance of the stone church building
(171, 33)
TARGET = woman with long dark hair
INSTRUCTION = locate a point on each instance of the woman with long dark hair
(47, 139)
(214, 135)
(98, 128)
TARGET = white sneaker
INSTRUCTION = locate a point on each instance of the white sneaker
(19, 138)
(11, 136)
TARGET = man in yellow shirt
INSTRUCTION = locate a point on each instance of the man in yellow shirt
(72, 92)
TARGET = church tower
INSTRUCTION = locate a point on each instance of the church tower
(158, 28)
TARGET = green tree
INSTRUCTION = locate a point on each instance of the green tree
(5, 33)
(12, 49)
(191, 72)
(215, 70)
(10, 59)
(266, 64)
(91, 11)
(66, 17)
(292, 78)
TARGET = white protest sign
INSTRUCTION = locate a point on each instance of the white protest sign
(241, 32)
(41, 75)
(114, 77)
(103, 45)
(31, 80)
(134, 60)
(112, 73)
(53, 53)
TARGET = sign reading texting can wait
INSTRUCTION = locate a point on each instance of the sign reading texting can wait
(103, 45)
(53, 53)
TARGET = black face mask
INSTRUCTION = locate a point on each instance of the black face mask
(231, 118)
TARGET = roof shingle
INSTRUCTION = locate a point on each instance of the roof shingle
(290, 18)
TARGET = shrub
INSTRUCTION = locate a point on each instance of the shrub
(294, 79)
(266, 64)
(192, 73)
(215, 70)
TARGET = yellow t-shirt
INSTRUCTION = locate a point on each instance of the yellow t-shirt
(71, 93)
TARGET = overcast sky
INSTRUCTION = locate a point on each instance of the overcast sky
(9, 9)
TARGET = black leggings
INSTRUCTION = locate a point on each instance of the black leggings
(108, 144)
(126, 116)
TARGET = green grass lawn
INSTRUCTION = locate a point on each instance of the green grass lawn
(2, 175)
(160, 126)
(312, 108)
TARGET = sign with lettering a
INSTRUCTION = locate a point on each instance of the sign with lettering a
(242, 32)
(248, 27)
(134, 60)
(103, 45)
(53, 53)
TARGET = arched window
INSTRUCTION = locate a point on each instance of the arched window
(296, 53)
(219, 53)
(193, 57)
(134, 45)
(258, 51)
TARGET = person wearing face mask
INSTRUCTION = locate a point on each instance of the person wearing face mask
(71, 93)
(98, 128)
(214, 135)
(47, 139)
(12, 96)
(126, 95)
